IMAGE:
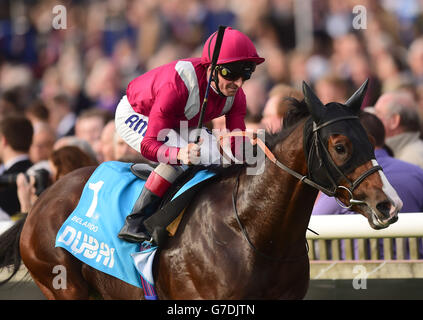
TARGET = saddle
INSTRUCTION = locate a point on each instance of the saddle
(165, 221)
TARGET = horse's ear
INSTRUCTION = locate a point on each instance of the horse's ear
(357, 98)
(314, 105)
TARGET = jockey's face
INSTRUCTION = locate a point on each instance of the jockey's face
(227, 87)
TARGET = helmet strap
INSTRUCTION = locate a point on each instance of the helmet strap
(215, 79)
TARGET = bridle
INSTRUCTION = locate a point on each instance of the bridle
(318, 144)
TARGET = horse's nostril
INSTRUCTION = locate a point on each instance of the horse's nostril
(384, 207)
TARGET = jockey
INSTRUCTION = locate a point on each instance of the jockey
(159, 103)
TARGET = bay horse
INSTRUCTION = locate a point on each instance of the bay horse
(243, 236)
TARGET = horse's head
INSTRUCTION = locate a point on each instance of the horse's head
(341, 159)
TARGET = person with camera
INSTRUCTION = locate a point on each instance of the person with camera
(15, 140)
(61, 162)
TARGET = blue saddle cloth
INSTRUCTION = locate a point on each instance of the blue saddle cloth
(90, 232)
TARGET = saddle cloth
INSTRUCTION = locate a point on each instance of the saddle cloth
(90, 232)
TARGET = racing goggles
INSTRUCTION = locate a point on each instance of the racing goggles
(234, 71)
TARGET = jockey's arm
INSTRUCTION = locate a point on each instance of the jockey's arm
(162, 118)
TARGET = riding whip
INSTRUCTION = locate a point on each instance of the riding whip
(216, 52)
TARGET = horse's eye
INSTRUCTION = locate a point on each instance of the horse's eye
(340, 149)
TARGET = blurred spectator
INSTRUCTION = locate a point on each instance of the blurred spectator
(345, 47)
(217, 13)
(9, 103)
(415, 60)
(317, 67)
(361, 70)
(277, 105)
(339, 20)
(102, 85)
(405, 178)
(26, 192)
(107, 142)
(332, 89)
(42, 142)
(276, 67)
(399, 115)
(61, 115)
(15, 76)
(15, 140)
(76, 142)
(89, 125)
(37, 112)
(384, 23)
(390, 69)
(124, 152)
(298, 68)
(255, 93)
(66, 159)
(126, 61)
(318, 63)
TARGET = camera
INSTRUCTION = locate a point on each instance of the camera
(42, 179)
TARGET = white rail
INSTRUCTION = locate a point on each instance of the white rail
(346, 227)
(353, 226)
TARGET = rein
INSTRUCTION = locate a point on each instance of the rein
(255, 140)
(303, 178)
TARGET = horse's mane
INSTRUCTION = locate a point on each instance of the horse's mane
(298, 110)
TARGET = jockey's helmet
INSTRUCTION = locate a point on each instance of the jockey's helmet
(236, 46)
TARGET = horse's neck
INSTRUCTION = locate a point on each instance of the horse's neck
(278, 202)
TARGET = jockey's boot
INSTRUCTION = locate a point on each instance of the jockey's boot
(155, 188)
(133, 229)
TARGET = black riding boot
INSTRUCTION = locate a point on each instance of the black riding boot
(134, 229)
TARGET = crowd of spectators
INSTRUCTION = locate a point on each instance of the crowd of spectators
(105, 44)
(68, 81)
